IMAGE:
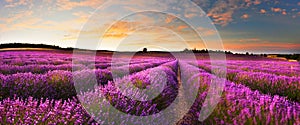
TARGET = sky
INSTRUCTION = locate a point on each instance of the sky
(256, 26)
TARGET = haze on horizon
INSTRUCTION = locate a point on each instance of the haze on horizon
(258, 26)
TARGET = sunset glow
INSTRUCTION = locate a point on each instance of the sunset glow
(258, 26)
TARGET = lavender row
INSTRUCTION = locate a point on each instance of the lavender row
(274, 67)
(278, 68)
(265, 82)
(46, 58)
(270, 84)
(106, 103)
(241, 105)
(31, 111)
(40, 69)
(58, 84)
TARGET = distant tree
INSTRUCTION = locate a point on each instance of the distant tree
(186, 50)
(247, 53)
(145, 50)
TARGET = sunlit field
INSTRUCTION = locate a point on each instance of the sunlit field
(37, 87)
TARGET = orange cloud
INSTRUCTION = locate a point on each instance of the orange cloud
(276, 9)
(245, 16)
(223, 19)
(284, 13)
(263, 11)
(256, 2)
(181, 27)
(222, 11)
(120, 29)
(169, 19)
(115, 35)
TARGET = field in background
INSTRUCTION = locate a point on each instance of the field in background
(38, 87)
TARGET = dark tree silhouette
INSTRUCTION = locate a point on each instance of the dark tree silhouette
(145, 50)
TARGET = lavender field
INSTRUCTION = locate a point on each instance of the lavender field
(37, 87)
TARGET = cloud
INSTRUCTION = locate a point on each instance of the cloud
(263, 11)
(8, 1)
(256, 2)
(248, 3)
(222, 11)
(81, 14)
(223, 18)
(245, 16)
(27, 24)
(298, 3)
(17, 16)
(284, 13)
(294, 9)
(276, 9)
(68, 5)
(250, 40)
(18, 3)
(270, 46)
(181, 27)
(169, 19)
(120, 29)
(192, 12)
(206, 31)
(257, 44)
(190, 15)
